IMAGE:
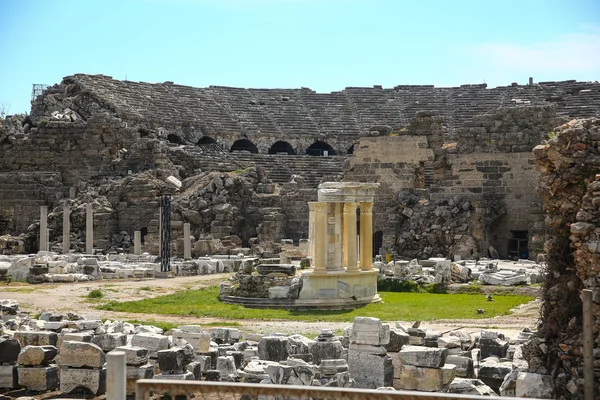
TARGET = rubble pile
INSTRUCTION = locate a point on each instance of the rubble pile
(369, 354)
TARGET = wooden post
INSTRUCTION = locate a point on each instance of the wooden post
(588, 345)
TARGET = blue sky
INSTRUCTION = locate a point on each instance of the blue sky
(322, 44)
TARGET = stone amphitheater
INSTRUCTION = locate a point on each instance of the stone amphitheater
(458, 158)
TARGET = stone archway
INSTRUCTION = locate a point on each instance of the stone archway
(244, 145)
(319, 148)
(282, 147)
(206, 140)
(175, 139)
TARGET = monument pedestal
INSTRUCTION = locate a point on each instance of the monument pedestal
(342, 285)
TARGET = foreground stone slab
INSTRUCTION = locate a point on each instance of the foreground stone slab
(470, 386)
(80, 354)
(134, 355)
(8, 377)
(9, 350)
(38, 379)
(370, 370)
(410, 377)
(36, 338)
(73, 379)
(534, 385)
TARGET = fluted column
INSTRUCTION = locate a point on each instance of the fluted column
(320, 236)
(187, 244)
(311, 230)
(366, 236)
(44, 228)
(349, 238)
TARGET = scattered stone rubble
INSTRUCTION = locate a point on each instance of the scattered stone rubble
(370, 355)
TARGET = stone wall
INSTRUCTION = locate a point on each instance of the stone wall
(569, 188)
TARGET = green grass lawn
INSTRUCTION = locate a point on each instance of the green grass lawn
(395, 306)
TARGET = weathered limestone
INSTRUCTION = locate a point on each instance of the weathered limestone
(187, 243)
(368, 362)
(66, 228)
(89, 229)
(422, 356)
(137, 243)
(38, 379)
(44, 228)
(72, 379)
(36, 355)
(199, 339)
(80, 354)
(41, 338)
(151, 341)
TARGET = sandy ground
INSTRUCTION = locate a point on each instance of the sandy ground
(71, 297)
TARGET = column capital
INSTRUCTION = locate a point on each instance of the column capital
(366, 207)
(350, 207)
(311, 205)
(320, 206)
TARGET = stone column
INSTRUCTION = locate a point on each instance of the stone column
(137, 243)
(187, 246)
(337, 233)
(311, 230)
(349, 239)
(66, 228)
(44, 228)
(89, 230)
(320, 237)
(366, 236)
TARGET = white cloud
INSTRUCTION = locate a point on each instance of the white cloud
(571, 53)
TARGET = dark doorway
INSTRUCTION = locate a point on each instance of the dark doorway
(518, 245)
(319, 148)
(175, 139)
(377, 242)
(143, 233)
(350, 150)
(204, 140)
(244, 145)
(282, 147)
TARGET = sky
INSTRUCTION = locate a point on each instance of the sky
(325, 45)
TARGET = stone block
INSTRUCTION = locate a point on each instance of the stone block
(332, 367)
(273, 348)
(370, 371)
(37, 355)
(225, 335)
(492, 372)
(109, 341)
(151, 341)
(80, 354)
(36, 338)
(38, 379)
(135, 372)
(9, 350)
(470, 387)
(410, 377)
(175, 359)
(75, 379)
(367, 330)
(134, 355)
(428, 357)
(464, 366)
(184, 376)
(200, 341)
(85, 325)
(534, 385)
(398, 339)
(9, 378)
(325, 351)
(226, 367)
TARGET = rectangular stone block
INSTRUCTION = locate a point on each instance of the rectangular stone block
(137, 372)
(38, 379)
(109, 341)
(36, 338)
(370, 371)
(200, 341)
(134, 355)
(93, 380)
(409, 377)
(151, 341)
(9, 378)
(418, 356)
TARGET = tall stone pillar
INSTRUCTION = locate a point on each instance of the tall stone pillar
(320, 236)
(187, 245)
(137, 243)
(337, 234)
(349, 238)
(89, 230)
(66, 228)
(311, 230)
(44, 228)
(366, 236)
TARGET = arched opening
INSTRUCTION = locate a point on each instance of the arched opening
(350, 150)
(377, 242)
(244, 145)
(175, 139)
(319, 148)
(282, 147)
(205, 140)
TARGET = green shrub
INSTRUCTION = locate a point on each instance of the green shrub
(95, 294)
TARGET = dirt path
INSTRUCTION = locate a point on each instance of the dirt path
(71, 297)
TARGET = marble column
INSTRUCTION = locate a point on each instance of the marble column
(44, 228)
(349, 238)
(337, 233)
(320, 236)
(66, 228)
(187, 245)
(89, 230)
(137, 243)
(366, 236)
(311, 230)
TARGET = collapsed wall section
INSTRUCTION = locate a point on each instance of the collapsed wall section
(569, 187)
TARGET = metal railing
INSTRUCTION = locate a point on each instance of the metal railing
(245, 391)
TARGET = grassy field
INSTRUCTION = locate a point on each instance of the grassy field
(395, 306)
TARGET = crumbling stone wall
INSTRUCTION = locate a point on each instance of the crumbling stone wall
(569, 163)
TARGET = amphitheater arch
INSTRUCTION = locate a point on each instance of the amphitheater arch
(175, 139)
(244, 145)
(204, 140)
(319, 148)
(350, 150)
(282, 147)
